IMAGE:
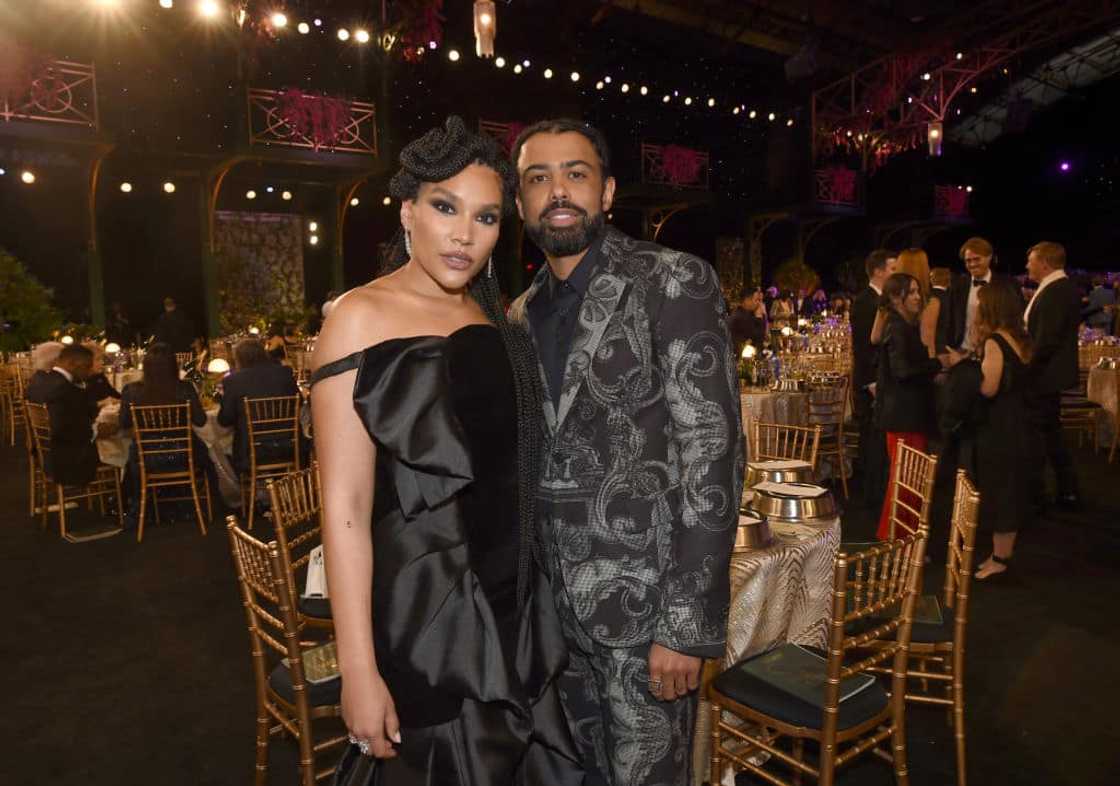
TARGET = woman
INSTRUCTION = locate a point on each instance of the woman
(914, 263)
(904, 388)
(782, 311)
(447, 639)
(820, 303)
(1005, 450)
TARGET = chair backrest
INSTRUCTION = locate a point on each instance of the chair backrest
(297, 510)
(780, 441)
(911, 491)
(874, 594)
(271, 422)
(39, 429)
(828, 399)
(163, 437)
(273, 625)
(962, 543)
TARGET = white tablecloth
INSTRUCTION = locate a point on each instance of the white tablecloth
(790, 408)
(778, 594)
(218, 439)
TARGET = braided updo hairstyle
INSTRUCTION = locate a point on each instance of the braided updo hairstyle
(440, 154)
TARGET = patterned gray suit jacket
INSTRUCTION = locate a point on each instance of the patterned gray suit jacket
(643, 467)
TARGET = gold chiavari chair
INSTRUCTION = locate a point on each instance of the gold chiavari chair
(828, 401)
(941, 643)
(1078, 414)
(297, 511)
(911, 490)
(286, 701)
(883, 581)
(165, 452)
(13, 383)
(272, 435)
(105, 485)
(779, 441)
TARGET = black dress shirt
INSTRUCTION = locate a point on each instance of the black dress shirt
(553, 315)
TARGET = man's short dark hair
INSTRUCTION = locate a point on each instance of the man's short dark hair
(877, 260)
(564, 125)
(75, 353)
(748, 291)
(249, 352)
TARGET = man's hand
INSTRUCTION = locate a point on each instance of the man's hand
(672, 674)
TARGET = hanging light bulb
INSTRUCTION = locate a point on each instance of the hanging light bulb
(500, 62)
(355, 202)
(485, 27)
(934, 137)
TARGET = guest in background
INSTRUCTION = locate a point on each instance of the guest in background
(118, 328)
(44, 357)
(904, 408)
(161, 385)
(914, 263)
(839, 305)
(865, 363)
(819, 303)
(1099, 306)
(1052, 319)
(940, 281)
(747, 322)
(978, 256)
(1005, 450)
(172, 328)
(98, 387)
(256, 375)
(803, 304)
(200, 349)
(782, 311)
(72, 459)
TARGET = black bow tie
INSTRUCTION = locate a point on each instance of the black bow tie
(978, 282)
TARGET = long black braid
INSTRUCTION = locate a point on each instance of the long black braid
(438, 155)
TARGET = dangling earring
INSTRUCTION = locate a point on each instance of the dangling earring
(490, 267)
(408, 243)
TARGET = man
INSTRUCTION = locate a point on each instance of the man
(803, 304)
(940, 281)
(1052, 319)
(257, 376)
(173, 328)
(1099, 305)
(643, 460)
(748, 322)
(72, 460)
(865, 369)
(977, 254)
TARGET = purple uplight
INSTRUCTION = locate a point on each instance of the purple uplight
(1064, 166)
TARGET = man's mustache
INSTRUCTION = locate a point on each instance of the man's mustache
(563, 206)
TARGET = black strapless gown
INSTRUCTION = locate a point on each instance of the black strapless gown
(471, 673)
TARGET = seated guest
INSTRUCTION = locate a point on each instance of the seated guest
(256, 376)
(200, 351)
(161, 385)
(72, 460)
(819, 303)
(98, 386)
(44, 357)
(1099, 305)
(782, 311)
(747, 323)
(904, 407)
(839, 305)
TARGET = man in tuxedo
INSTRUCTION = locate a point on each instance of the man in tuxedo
(643, 460)
(72, 460)
(257, 376)
(977, 254)
(865, 369)
(748, 322)
(1052, 319)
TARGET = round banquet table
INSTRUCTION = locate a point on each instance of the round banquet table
(788, 407)
(113, 450)
(124, 377)
(780, 593)
(1104, 389)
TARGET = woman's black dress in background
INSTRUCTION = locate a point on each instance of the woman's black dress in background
(471, 674)
(1006, 450)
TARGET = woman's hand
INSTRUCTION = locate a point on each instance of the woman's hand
(370, 714)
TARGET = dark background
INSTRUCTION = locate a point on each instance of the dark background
(171, 87)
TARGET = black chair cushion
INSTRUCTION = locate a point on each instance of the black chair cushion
(322, 694)
(771, 700)
(319, 608)
(932, 633)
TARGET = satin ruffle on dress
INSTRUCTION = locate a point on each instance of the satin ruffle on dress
(471, 674)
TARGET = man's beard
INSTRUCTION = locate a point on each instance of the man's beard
(565, 241)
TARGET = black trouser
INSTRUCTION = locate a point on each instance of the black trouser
(872, 451)
(1046, 409)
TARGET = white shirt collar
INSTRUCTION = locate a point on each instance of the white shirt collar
(65, 373)
(987, 277)
(1051, 277)
(878, 290)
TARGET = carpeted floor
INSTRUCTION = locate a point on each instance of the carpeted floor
(128, 663)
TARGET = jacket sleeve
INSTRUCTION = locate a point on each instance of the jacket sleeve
(693, 353)
(1051, 327)
(227, 413)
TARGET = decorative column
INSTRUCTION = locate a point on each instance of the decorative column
(94, 270)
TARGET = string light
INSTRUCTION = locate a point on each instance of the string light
(270, 189)
(362, 36)
(517, 68)
(343, 34)
(166, 3)
(279, 19)
(607, 79)
(286, 196)
(789, 123)
(711, 102)
(303, 28)
(771, 117)
(27, 176)
(169, 187)
(753, 114)
(387, 201)
(688, 101)
(548, 73)
(313, 240)
(126, 187)
(500, 62)
(644, 90)
(575, 76)
(525, 63)
(355, 202)
(666, 98)
(453, 55)
(599, 85)
(318, 23)
(313, 226)
(208, 8)
(625, 87)
(250, 194)
(735, 111)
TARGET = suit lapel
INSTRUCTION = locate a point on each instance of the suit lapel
(604, 292)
